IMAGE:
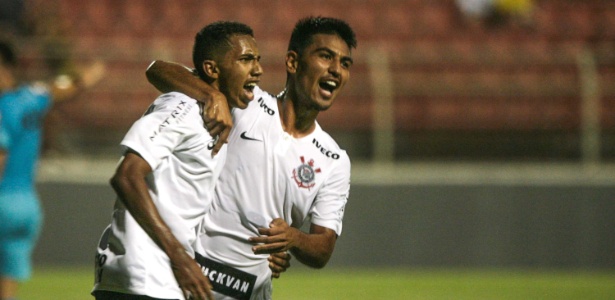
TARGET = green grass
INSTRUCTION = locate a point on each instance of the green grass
(341, 284)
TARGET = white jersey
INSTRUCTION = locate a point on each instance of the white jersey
(269, 174)
(172, 139)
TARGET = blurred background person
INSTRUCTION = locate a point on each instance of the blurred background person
(475, 12)
(23, 107)
(518, 13)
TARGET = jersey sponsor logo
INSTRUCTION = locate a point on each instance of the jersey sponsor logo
(227, 280)
(324, 151)
(245, 137)
(265, 108)
(305, 174)
(180, 111)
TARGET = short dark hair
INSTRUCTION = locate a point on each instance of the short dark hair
(307, 27)
(213, 40)
(7, 54)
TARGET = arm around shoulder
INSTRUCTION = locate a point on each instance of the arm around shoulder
(170, 77)
(173, 77)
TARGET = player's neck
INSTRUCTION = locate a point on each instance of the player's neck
(297, 120)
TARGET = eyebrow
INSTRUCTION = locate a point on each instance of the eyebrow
(344, 58)
(249, 55)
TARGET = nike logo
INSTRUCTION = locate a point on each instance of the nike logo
(243, 136)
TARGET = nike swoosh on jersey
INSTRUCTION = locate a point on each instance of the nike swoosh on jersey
(243, 136)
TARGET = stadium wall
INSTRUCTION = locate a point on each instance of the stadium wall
(431, 220)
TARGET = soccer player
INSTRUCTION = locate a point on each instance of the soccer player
(23, 107)
(281, 168)
(165, 179)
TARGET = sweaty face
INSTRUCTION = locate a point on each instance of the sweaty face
(240, 71)
(323, 69)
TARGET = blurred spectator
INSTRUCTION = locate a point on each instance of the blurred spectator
(516, 12)
(475, 12)
(497, 12)
(23, 107)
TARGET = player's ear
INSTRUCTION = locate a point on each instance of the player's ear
(211, 69)
(292, 61)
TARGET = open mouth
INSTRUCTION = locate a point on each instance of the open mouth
(250, 86)
(249, 89)
(328, 85)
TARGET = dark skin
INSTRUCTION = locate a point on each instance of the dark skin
(231, 72)
(130, 187)
(312, 249)
(326, 59)
(162, 75)
(216, 113)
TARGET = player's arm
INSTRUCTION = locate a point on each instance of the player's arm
(65, 87)
(170, 77)
(315, 248)
(312, 249)
(130, 185)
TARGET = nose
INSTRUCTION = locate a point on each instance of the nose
(335, 67)
(257, 70)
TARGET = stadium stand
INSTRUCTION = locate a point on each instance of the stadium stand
(455, 87)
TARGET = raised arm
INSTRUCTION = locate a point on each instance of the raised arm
(66, 87)
(130, 186)
(173, 77)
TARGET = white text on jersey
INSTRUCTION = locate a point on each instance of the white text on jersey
(324, 151)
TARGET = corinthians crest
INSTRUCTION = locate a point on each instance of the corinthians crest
(305, 174)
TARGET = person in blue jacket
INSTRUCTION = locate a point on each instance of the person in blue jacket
(23, 107)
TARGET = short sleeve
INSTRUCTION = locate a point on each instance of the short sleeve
(328, 208)
(162, 128)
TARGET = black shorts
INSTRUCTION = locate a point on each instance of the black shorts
(106, 295)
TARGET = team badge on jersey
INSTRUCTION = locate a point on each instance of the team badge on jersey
(305, 174)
